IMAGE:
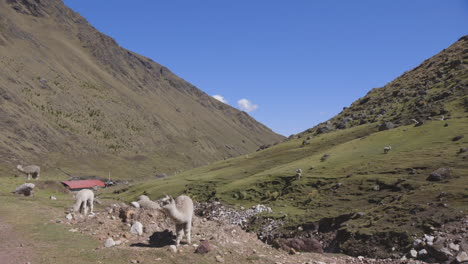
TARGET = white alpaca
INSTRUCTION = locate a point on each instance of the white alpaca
(84, 198)
(387, 149)
(31, 170)
(146, 203)
(181, 211)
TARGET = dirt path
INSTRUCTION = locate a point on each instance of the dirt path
(14, 248)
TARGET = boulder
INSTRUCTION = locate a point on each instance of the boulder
(439, 174)
(204, 247)
(462, 257)
(298, 244)
(110, 242)
(386, 126)
(137, 228)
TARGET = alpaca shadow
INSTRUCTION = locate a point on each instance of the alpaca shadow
(158, 240)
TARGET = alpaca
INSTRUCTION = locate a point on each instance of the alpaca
(31, 170)
(83, 198)
(298, 174)
(25, 189)
(146, 203)
(181, 211)
(387, 149)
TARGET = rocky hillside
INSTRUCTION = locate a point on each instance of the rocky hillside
(71, 97)
(432, 90)
(338, 183)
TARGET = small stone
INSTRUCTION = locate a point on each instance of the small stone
(417, 242)
(219, 259)
(53, 198)
(422, 252)
(454, 247)
(73, 230)
(413, 253)
(462, 257)
(110, 242)
(69, 216)
(137, 228)
(204, 247)
(173, 248)
(429, 238)
(135, 204)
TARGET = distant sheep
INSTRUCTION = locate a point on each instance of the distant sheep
(31, 170)
(83, 199)
(181, 211)
(387, 149)
(146, 203)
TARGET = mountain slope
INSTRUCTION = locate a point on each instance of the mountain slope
(71, 97)
(352, 195)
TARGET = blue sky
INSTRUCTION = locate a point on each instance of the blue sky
(299, 62)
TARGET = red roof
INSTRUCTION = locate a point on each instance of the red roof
(84, 184)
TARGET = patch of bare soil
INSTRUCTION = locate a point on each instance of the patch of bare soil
(14, 248)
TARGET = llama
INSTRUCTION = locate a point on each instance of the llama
(181, 211)
(387, 149)
(83, 198)
(31, 170)
(146, 203)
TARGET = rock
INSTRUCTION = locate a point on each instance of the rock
(463, 150)
(428, 238)
(173, 249)
(422, 252)
(204, 247)
(386, 126)
(53, 198)
(457, 138)
(137, 228)
(440, 253)
(413, 253)
(298, 244)
(219, 259)
(462, 257)
(69, 217)
(417, 242)
(454, 247)
(135, 204)
(324, 157)
(134, 261)
(439, 174)
(110, 242)
(126, 214)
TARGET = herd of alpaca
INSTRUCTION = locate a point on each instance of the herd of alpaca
(179, 209)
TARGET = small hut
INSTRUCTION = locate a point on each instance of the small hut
(83, 184)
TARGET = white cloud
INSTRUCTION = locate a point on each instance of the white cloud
(246, 105)
(220, 98)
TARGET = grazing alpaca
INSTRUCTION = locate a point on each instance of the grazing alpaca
(181, 211)
(83, 198)
(387, 149)
(32, 171)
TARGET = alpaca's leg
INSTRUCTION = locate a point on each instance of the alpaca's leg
(188, 228)
(180, 233)
(85, 208)
(91, 204)
(29, 176)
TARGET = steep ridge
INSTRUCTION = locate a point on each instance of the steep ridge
(352, 195)
(71, 97)
(431, 90)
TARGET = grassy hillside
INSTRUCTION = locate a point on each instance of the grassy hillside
(71, 97)
(364, 196)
